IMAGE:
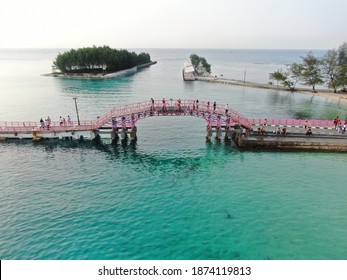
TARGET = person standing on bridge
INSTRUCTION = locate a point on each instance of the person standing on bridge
(197, 105)
(179, 104)
(164, 104)
(48, 121)
(214, 106)
(226, 109)
(152, 107)
(336, 122)
(42, 123)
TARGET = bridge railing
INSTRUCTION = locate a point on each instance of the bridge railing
(123, 110)
(36, 126)
(292, 122)
(170, 106)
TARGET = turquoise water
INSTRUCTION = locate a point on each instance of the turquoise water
(171, 195)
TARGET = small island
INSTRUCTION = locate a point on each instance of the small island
(196, 66)
(98, 62)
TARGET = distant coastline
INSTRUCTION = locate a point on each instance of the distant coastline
(130, 71)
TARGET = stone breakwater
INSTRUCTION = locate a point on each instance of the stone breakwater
(254, 85)
(340, 97)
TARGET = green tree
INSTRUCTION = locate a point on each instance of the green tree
(95, 58)
(284, 78)
(278, 76)
(143, 58)
(206, 65)
(311, 73)
(342, 66)
(295, 71)
(330, 69)
(197, 60)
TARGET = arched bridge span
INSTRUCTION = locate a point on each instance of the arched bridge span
(127, 116)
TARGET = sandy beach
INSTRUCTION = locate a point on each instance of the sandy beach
(342, 97)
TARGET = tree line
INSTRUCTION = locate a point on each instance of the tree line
(329, 70)
(98, 59)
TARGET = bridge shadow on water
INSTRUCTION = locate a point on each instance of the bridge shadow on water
(200, 159)
(130, 153)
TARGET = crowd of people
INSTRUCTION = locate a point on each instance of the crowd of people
(178, 106)
(47, 123)
(340, 126)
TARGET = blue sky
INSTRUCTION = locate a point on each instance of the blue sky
(252, 24)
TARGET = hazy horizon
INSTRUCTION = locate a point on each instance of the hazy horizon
(163, 48)
(204, 24)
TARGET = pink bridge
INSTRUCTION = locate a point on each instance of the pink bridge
(126, 117)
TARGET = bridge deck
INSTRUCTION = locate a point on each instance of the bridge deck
(127, 116)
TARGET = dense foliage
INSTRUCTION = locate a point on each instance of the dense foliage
(330, 70)
(198, 60)
(98, 59)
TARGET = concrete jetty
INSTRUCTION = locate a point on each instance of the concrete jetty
(323, 138)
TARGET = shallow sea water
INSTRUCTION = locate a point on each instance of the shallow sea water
(171, 195)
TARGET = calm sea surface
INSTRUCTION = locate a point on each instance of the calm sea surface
(172, 195)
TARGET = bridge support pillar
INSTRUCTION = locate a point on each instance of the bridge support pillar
(133, 133)
(227, 137)
(97, 137)
(96, 134)
(208, 133)
(124, 134)
(219, 133)
(114, 136)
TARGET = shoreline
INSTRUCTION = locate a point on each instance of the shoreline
(340, 97)
(129, 71)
